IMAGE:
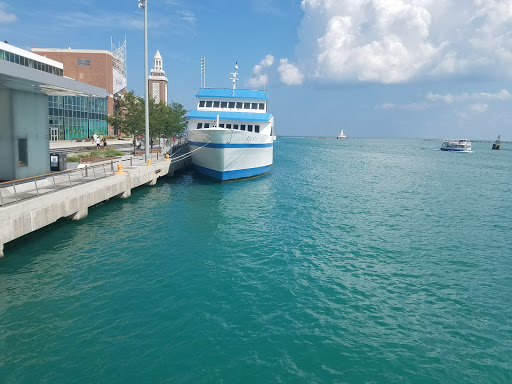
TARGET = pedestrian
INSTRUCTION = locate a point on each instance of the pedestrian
(104, 142)
(151, 143)
(98, 142)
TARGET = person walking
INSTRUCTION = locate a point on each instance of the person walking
(104, 143)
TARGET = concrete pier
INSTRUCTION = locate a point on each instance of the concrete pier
(73, 203)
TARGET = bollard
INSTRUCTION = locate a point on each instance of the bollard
(149, 162)
(166, 157)
(120, 169)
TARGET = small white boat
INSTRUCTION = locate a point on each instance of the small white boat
(342, 135)
(461, 145)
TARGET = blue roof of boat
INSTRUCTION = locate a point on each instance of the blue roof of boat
(233, 94)
(242, 116)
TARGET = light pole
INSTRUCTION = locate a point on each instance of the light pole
(143, 4)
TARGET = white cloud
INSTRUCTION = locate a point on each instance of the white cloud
(289, 73)
(386, 106)
(6, 17)
(478, 108)
(396, 41)
(259, 77)
(187, 16)
(449, 98)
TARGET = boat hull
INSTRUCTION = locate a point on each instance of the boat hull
(226, 155)
(455, 150)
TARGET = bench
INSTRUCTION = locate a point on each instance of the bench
(156, 151)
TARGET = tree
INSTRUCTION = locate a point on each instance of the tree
(164, 120)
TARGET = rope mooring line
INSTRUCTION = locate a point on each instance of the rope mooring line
(185, 155)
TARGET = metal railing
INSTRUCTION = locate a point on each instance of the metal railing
(19, 190)
(30, 187)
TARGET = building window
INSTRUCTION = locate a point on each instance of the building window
(239, 105)
(216, 104)
(247, 105)
(199, 125)
(201, 104)
(208, 104)
(22, 153)
(254, 106)
(224, 104)
(231, 104)
(83, 62)
(242, 127)
(207, 125)
(257, 128)
(249, 128)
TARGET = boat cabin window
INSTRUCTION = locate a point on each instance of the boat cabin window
(257, 128)
(239, 105)
(249, 128)
(247, 105)
(254, 106)
(224, 104)
(201, 104)
(199, 125)
(207, 125)
(208, 104)
(235, 126)
(221, 125)
(262, 106)
(216, 104)
(242, 127)
(231, 104)
(228, 126)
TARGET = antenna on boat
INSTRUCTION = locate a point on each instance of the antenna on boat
(203, 72)
(234, 78)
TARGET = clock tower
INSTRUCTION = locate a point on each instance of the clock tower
(157, 81)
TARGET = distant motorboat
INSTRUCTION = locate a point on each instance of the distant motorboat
(342, 135)
(497, 143)
(461, 145)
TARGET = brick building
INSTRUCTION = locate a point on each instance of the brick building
(101, 68)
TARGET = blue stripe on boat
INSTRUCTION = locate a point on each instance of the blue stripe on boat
(215, 145)
(232, 175)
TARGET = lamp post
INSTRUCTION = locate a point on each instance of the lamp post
(143, 4)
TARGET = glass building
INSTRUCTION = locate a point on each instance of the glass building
(29, 62)
(76, 117)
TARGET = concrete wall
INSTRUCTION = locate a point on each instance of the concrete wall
(6, 136)
(30, 121)
(19, 219)
(23, 115)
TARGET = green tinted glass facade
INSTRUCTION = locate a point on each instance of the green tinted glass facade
(77, 117)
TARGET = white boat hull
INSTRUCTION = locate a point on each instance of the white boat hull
(225, 154)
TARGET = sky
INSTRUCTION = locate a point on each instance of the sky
(375, 68)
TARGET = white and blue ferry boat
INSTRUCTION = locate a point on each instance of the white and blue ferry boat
(231, 133)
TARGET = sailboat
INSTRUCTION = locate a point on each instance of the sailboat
(497, 144)
(342, 135)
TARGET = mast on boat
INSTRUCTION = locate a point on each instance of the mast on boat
(234, 74)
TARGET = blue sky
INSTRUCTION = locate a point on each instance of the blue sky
(376, 68)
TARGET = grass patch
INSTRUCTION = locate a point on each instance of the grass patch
(103, 153)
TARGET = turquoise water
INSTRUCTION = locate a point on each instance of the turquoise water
(365, 260)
